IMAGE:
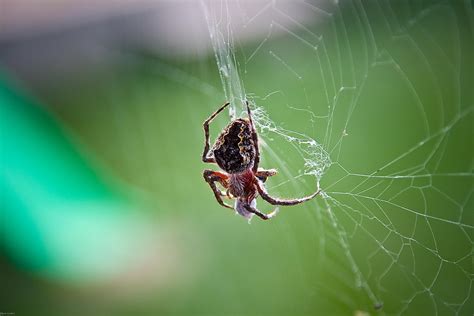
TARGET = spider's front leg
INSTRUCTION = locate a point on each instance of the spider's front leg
(263, 174)
(212, 177)
(205, 125)
(276, 201)
(255, 139)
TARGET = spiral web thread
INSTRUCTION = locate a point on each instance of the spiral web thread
(414, 186)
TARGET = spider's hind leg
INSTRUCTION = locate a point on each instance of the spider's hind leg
(277, 201)
(260, 214)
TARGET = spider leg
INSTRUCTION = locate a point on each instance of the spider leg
(213, 176)
(276, 201)
(260, 214)
(255, 140)
(263, 174)
(228, 194)
(205, 125)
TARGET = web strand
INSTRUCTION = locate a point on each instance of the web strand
(400, 200)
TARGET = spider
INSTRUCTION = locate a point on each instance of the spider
(236, 152)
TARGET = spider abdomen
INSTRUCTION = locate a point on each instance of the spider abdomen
(234, 149)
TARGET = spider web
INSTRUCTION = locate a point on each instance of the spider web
(374, 100)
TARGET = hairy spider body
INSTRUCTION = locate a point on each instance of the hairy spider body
(236, 152)
(242, 184)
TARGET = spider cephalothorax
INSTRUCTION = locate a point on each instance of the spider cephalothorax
(236, 152)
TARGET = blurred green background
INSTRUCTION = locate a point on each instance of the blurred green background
(385, 87)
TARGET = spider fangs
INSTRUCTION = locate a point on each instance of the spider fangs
(236, 152)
